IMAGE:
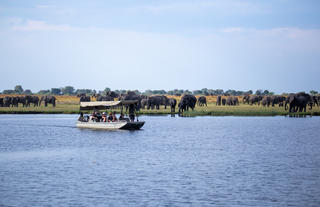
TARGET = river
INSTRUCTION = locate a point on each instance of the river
(203, 161)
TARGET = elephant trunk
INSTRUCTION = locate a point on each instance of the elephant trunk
(286, 106)
(310, 106)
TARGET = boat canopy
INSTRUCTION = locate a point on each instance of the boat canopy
(99, 105)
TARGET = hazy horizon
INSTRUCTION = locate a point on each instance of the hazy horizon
(240, 45)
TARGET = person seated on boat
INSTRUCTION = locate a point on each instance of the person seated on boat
(94, 116)
(99, 116)
(110, 117)
(104, 117)
(81, 117)
(131, 112)
(121, 117)
(86, 118)
(114, 117)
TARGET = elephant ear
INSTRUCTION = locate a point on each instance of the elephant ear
(291, 99)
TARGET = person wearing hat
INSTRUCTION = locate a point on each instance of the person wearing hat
(104, 116)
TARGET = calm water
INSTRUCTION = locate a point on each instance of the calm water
(206, 161)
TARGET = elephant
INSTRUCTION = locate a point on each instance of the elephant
(315, 100)
(22, 100)
(229, 101)
(255, 99)
(113, 94)
(7, 101)
(131, 96)
(245, 99)
(318, 100)
(223, 101)
(172, 103)
(277, 100)
(15, 101)
(84, 98)
(299, 102)
(48, 100)
(32, 99)
(218, 101)
(143, 102)
(1, 102)
(164, 101)
(104, 98)
(156, 101)
(187, 101)
(232, 101)
(202, 101)
(235, 101)
(266, 101)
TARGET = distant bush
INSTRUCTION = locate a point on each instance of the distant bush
(9, 91)
(44, 92)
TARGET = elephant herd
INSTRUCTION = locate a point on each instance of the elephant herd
(300, 101)
(154, 102)
(230, 101)
(151, 102)
(295, 102)
(27, 101)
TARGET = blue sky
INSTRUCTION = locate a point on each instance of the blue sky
(228, 44)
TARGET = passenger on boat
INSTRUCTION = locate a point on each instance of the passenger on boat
(104, 116)
(81, 118)
(131, 112)
(121, 117)
(114, 117)
(94, 116)
(110, 117)
(99, 116)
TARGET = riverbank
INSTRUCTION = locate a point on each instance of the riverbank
(210, 110)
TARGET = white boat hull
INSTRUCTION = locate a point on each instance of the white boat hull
(111, 125)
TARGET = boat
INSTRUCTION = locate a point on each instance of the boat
(86, 122)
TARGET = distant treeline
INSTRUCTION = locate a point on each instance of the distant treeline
(70, 90)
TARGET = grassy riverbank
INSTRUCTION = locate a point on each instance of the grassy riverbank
(211, 110)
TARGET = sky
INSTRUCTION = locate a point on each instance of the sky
(148, 44)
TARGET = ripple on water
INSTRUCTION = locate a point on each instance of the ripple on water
(202, 161)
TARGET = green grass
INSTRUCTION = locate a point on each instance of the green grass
(211, 110)
(245, 110)
(59, 109)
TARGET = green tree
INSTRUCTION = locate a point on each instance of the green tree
(258, 92)
(265, 92)
(68, 90)
(18, 89)
(43, 92)
(27, 92)
(249, 92)
(313, 92)
(55, 91)
(106, 90)
(9, 91)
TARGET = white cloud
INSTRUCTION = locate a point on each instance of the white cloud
(232, 30)
(225, 7)
(32, 25)
(243, 52)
